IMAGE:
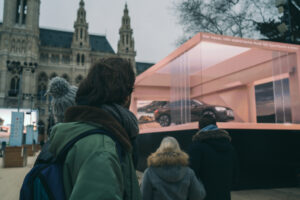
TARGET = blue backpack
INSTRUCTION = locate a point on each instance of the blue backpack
(45, 179)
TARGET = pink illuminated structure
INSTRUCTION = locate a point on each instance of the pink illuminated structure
(229, 71)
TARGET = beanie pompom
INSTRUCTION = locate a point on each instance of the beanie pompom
(58, 87)
(63, 96)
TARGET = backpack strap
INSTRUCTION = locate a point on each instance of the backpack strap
(63, 153)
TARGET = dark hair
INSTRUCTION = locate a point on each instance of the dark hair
(110, 80)
(206, 120)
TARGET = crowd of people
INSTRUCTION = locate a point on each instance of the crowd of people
(102, 166)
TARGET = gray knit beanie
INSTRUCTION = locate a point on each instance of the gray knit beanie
(63, 96)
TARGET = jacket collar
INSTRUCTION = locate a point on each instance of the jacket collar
(213, 134)
(97, 116)
(159, 159)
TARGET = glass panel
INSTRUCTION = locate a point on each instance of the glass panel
(180, 107)
(265, 109)
(282, 66)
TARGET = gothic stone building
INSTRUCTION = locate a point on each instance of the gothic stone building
(30, 56)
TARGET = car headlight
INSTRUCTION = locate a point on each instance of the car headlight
(220, 108)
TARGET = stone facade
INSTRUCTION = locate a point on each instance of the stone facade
(30, 56)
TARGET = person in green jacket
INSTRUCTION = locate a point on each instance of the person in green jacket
(92, 168)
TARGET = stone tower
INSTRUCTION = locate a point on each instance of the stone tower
(81, 41)
(126, 41)
(19, 52)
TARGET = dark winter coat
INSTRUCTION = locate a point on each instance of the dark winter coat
(213, 159)
(169, 178)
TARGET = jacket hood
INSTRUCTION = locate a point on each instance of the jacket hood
(213, 134)
(79, 119)
(169, 173)
(160, 159)
(218, 139)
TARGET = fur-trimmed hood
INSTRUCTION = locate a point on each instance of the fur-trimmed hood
(97, 116)
(214, 134)
(169, 166)
(161, 159)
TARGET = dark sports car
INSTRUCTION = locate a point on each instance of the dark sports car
(163, 114)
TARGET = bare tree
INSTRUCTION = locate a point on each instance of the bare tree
(225, 17)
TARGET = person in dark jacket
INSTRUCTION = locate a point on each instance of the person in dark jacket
(62, 96)
(169, 177)
(93, 168)
(213, 159)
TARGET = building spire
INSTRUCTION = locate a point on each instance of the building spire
(81, 3)
(81, 41)
(81, 36)
(126, 41)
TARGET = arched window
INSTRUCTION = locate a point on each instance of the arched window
(66, 77)
(66, 59)
(55, 58)
(78, 79)
(42, 86)
(53, 75)
(82, 59)
(13, 45)
(44, 57)
(18, 11)
(18, 46)
(81, 33)
(126, 39)
(24, 11)
(14, 86)
(23, 48)
(78, 59)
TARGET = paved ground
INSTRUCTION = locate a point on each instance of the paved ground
(11, 181)
(271, 194)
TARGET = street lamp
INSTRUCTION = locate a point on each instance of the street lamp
(16, 67)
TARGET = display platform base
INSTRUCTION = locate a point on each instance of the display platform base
(268, 158)
(15, 157)
(30, 149)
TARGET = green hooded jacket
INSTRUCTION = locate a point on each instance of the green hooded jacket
(92, 169)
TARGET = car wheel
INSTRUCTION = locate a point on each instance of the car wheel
(164, 120)
(209, 112)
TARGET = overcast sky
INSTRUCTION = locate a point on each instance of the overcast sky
(153, 21)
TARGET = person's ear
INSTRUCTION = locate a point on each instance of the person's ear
(127, 101)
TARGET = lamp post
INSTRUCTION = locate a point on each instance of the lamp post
(50, 118)
(31, 107)
(17, 67)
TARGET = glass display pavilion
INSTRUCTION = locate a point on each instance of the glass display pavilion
(241, 81)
